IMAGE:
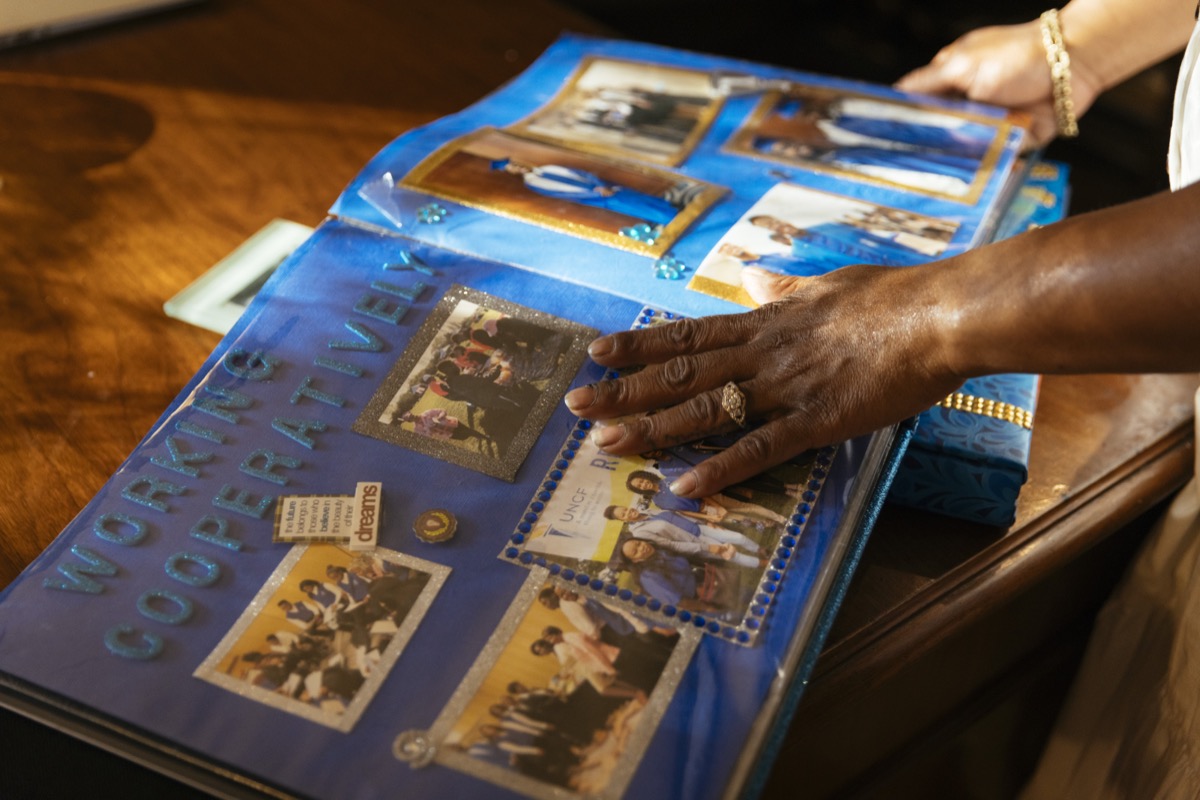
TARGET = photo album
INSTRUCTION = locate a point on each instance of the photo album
(368, 552)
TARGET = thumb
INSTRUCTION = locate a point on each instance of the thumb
(949, 73)
(765, 287)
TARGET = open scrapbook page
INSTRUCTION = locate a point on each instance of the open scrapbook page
(368, 552)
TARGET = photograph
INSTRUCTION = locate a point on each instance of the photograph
(324, 630)
(566, 695)
(567, 190)
(477, 383)
(629, 109)
(216, 299)
(793, 230)
(614, 519)
(894, 143)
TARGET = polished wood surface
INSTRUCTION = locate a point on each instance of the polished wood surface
(134, 157)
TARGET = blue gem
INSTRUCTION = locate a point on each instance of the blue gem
(743, 636)
(568, 573)
(669, 268)
(431, 213)
(611, 589)
(625, 594)
(597, 584)
(512, 552)
(524, 527)
(669, 610)
(642, 232)
(684, 616)
(752, 623)
(526, 558)
(654, 605)
(585, 424)
(639, 599)
(555, 569)
(536, 506)
(517, 538)
(699, 621)
(582, 579)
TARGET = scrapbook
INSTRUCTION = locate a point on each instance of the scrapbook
(367, 551)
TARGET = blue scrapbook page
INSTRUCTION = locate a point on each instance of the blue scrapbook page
(656, 174)
(214, 601)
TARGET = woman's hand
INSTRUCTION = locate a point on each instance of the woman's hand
(1004, 65)
(833, 357)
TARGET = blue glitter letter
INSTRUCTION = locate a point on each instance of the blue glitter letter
(240, 503)
(218, 536)
(76, 575)
(269, 462)
(152, 646)
(138, 532)
(180, 461)
(256, 366)
(143, 490)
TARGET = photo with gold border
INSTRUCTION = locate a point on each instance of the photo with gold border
(324, 630)
(622, 204)
(794, 230)
(477, 382)
(903, 145)
(629, 109)
(565, 697)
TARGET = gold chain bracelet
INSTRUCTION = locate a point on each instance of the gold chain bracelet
(1060, 74)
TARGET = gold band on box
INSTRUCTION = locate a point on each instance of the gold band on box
(989, 408)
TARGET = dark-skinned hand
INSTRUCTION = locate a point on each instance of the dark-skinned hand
(823, 360)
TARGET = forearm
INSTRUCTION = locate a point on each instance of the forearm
(1111, 40)
(1116, 290)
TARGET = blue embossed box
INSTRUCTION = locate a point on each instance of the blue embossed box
(969, 456)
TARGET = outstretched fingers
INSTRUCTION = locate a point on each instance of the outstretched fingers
(658, 385)
(662, 342)
(762, 448)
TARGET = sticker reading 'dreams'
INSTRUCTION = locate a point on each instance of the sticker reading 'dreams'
(347, 519)
(366, 516)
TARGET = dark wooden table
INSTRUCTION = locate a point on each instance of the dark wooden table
(134, 157)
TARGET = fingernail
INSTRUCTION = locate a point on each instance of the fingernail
(600, 347)
(605, 435)
(580, 398)
(684, 485)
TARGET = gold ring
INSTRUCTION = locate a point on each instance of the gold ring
(733, 400)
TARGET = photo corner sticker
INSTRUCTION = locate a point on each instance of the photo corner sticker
(352, 520)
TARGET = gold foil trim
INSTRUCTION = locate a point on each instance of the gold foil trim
(995, 409)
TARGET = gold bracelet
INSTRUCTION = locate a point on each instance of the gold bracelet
(1060, 74)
